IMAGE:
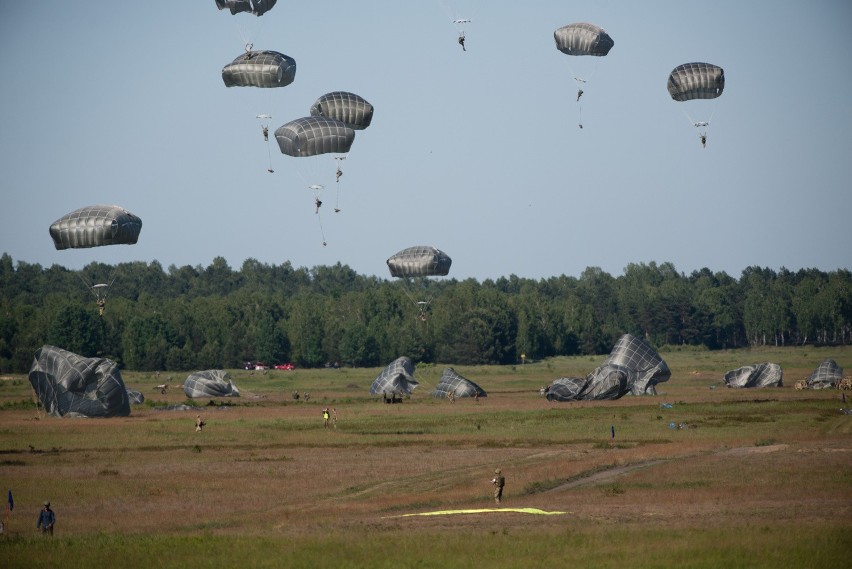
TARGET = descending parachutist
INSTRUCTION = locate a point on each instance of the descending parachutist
(461, 41)
(318, 203)
(338, 174)
(579, 94)
(337, 210)
(266, 134)
(703, 138)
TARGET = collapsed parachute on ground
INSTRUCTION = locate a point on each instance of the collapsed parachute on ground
(633, 367)
(210, 383)
(69, 384)
(135, 397)
(419, 261)
(696, 81)
(828, 374)
(256, 7)
(397, 377)
(758, 375)
(95, 226)
(583, 39)
(267, 69)
(311, 136)
(453, 383)
(349, 108)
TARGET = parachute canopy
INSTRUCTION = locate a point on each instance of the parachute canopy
(95, 226)
(210, 383)
(256, 7)
(266, 69)
(349, 108)
(758, 375)
(68, 384)
(827, 374)
(397, 377)
(583, 39)
(136, 397)
(696, 81)
(633, 367)
(452, 382)
(310, 136)
(419, 261)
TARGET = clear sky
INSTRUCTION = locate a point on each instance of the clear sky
(477, 153)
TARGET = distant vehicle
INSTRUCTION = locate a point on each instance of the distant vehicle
(255, 365)
(288, 366)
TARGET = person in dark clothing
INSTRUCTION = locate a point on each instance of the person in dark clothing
(46, 520)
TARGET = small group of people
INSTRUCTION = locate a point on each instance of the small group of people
(326, 416)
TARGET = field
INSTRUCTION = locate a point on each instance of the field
(754, 478)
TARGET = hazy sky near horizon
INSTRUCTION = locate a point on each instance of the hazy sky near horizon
(477, 153)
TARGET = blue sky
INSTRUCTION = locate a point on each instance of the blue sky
(477, 152)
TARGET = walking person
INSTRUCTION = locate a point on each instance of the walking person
(498, 481)
(199, 423)
(46, 520)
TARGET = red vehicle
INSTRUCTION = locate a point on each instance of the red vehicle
(288, 366)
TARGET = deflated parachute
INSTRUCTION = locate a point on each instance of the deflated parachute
(758, 375)
(210, 383)
(696, 81)
(68, 384)
(453, 383)
(827, 374)
(419, 261)
(397, 377)
(311, 136)
(583, 39)
(349, 108)
(633, 367)
(260, 69)
(95, 226)
(256, 7)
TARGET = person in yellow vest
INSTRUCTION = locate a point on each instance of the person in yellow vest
(325, 417)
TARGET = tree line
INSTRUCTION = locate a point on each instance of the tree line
(186, 318)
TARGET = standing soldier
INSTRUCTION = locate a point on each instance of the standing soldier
(325, 417)
(498, 481)
(199, 423)
(46, 519)
(334, 416)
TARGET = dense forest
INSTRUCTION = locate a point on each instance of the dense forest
(186, 318)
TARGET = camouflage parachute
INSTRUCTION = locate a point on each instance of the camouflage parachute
(758, 375)
(419, 261)
(256, 7)
(311, 136)
(828, 374)
(397, 377)
(95, 226)
(583, 39)
(69, 384)
(453, 383)
(349, 108)
(696, 81)
(210, 383)
(265, 69)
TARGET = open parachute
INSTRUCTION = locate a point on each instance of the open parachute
(417, 262)
(265, 69)
(396, 378)
(210, 383)
(69, 384)
(350, 109)
(694, 82)
(95, 226)
(256, 7)
(312, 136)
(583, 39)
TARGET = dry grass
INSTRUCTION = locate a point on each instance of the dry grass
(763, 470)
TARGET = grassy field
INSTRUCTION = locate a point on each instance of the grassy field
(755, 478)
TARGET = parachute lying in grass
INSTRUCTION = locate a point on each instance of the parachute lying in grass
(69, 384)
(827, 375)
(758, 375)
(396, 378)
(311, 136)
(95, 226)
(210, 383)
(633, 367)
(136, 397)
(256, 7)
(453, 383)
(583, 39)
(266, 69)
(352, 110)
